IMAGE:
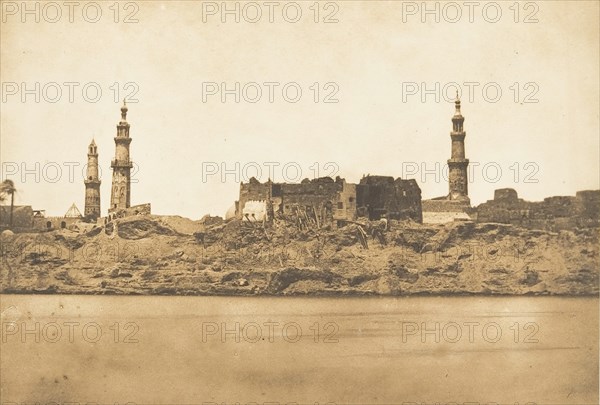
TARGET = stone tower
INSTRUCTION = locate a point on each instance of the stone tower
(457, 164)
(120, 194)
(92, 184)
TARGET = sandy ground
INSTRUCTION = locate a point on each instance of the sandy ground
(177, 256)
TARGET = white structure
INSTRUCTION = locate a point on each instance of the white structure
(254, 211)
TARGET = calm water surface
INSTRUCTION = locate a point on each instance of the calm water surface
(195, 350)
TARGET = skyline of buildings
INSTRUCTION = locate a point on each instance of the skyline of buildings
(121, 165)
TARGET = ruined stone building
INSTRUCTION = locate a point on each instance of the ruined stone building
(120, 194)
(382, 195)
(25, 219)
(332, 201)
(455, 205)
(92, 185)
(553, 213)
(71, 218)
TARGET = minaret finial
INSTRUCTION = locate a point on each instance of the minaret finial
(124, 111)
(457, 104)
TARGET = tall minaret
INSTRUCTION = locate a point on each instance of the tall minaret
(457, 164)
(92, 184)
(120, 194)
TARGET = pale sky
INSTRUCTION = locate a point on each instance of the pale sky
(370, 54)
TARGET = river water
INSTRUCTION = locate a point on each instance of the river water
(203, 350)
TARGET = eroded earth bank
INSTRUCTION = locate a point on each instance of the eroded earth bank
(178, 256)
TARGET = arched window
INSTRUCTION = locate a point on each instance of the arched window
(63, 224)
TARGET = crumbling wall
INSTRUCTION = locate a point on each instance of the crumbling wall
(554, 213)
(141, 209)
(589, 205)
(382, 195)
(508, 195)
(25, 221)
(252, 191)
(407, 200)
(310, 193)
(447, 206)
(442, 210)
(345, 205)
(321, 195)
(335, 200)
(318, 195)
(53, 223)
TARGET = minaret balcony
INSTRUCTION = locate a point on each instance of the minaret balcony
(121, 163)
(458, 162)
(92, 181)
(123, 139)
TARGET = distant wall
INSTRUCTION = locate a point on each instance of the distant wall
(445, 206)
(53, 223)
(554, 213)
(589, 205)
(443, 217)
(25, 221)
(440, 211)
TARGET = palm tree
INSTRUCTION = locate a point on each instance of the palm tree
(7, 187)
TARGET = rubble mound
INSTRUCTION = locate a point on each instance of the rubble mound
(181, 225)
(143, 228)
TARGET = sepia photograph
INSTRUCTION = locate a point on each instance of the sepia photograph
(308, 202)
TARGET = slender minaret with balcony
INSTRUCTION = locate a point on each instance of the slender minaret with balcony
(120, 194)
(92, 185)
(457, 164)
